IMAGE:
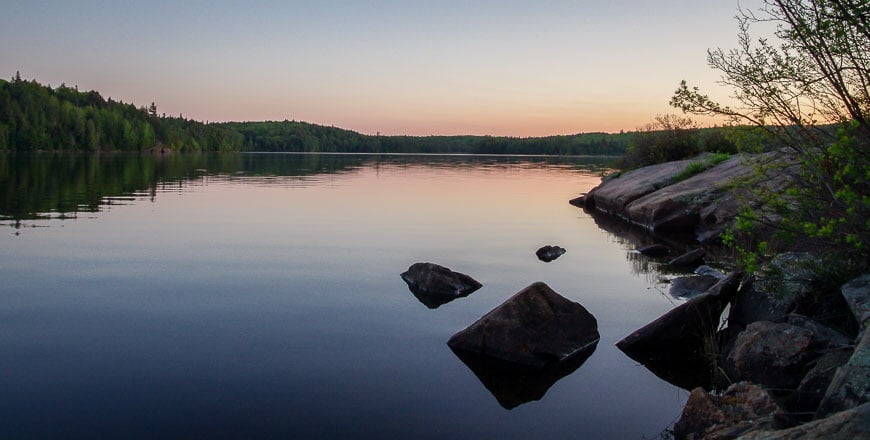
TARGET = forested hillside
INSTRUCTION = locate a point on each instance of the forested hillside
(37, 117)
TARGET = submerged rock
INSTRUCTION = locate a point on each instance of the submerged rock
(435, 285)
(536, 327)
(549, 253)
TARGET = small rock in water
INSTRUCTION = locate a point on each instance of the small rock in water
(655, 250)
(549, 253)
(688, 287)
(690, 258)
(709, 271)
(435, 285)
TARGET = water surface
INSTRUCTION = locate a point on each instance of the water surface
(258, 295)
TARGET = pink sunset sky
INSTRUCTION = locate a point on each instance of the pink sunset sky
(507, 68)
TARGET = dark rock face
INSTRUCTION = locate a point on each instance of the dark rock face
(771, 354)
(536, 327)
(549, 253)
(691, 258)
(809, 393)
(743, 407)
(852, 424)
(857, 295)
(676, 339)
(824, 337)
(654, 250)
(513, 384)
(753, 304)
(688, 287)
(435, 285)
(850, 386)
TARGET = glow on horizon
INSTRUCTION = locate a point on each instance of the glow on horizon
(507, 68)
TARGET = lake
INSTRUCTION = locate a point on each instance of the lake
(258, 295)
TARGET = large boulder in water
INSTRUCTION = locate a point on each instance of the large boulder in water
(536, 327)
(435, 285)
(673, 346)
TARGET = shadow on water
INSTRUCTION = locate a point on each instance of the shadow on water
(434, 301)
(513, 384)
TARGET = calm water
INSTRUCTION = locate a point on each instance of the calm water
(258, 295)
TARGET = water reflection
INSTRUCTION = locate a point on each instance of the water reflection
(38, 186)
(514, 384)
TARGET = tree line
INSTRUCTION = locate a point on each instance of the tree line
(34, 117)
(295, 136)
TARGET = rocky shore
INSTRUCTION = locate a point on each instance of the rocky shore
(762, 357)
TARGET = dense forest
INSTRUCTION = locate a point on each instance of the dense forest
(37, 117)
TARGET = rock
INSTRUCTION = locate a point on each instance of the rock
(549, 253)
(704, 205)
(614, 194)
(582, 202)
(691, 258)
(514, 384)
(709, 271)
(857, 295)
(851, 384)
(797, 274)
(824, 337)
(678, 207)
(754, 304)
(688, 287)
(809, 393)
(536, 327)
(674, 343)
(654, 250)
(771, 354)
(742, 408)
(852, 424)
(435, 285)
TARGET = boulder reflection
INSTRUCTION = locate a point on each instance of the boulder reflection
(514, 384)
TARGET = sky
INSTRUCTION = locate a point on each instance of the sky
(504, 68)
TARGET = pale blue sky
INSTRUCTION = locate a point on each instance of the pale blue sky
(518, 68)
